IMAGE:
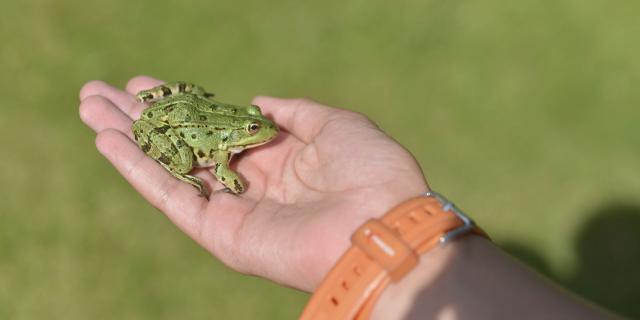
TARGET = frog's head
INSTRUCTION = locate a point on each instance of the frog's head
(255, 130)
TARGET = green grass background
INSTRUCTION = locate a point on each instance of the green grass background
(523, 112)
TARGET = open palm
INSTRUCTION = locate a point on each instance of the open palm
(328, 171)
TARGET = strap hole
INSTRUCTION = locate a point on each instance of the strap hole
(334, 301)
(357, 270)
(416, 216)
(345, 285)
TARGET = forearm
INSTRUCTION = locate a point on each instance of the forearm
(472, 279)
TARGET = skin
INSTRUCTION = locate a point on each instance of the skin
(183, 128)
(310, 188)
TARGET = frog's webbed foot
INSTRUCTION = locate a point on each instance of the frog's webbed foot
(225, 175)
(229, 179)
(192, 180)
(225, 190)
(170, 89)
(196, 182)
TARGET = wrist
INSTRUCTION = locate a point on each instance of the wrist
(424, 290)
(383, 251)
(317, 264)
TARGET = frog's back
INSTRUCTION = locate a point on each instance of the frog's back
(186, 103)
(189, 109)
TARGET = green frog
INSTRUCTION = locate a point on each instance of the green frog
(183, 128)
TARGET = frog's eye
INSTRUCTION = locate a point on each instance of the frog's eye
(253, 128)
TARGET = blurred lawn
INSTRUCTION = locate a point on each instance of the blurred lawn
(526, 113)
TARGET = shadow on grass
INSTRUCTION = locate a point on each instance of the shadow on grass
(608, 266)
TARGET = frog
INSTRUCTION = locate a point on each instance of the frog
(183, 128)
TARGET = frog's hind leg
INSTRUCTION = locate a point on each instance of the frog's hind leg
(159, 142)
(170, 89)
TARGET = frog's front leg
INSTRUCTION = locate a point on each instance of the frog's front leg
(224, 174)
(159, 141)
(170, 89)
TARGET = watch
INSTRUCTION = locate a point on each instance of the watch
(383, 251)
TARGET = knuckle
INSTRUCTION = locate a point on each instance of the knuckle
(352, 115)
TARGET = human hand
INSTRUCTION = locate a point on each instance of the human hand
(328, 172)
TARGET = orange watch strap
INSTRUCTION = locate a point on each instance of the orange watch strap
(383, 251)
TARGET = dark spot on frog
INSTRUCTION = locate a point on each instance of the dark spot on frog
(182, 135)
(169, 108)
(181, 144)
(200, 154)
(164, 159)
(209, 133)
(165, 91)
(222, 178)
(181, 86)
(145, 147)
(203, 118)
(237, 185)
(225, 138)
(217, 166)
(147, 96)
(163, 129)
(187, 118)
(150, 114)
(218, 128)
(193, 136)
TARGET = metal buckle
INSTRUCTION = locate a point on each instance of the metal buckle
(449, 206)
